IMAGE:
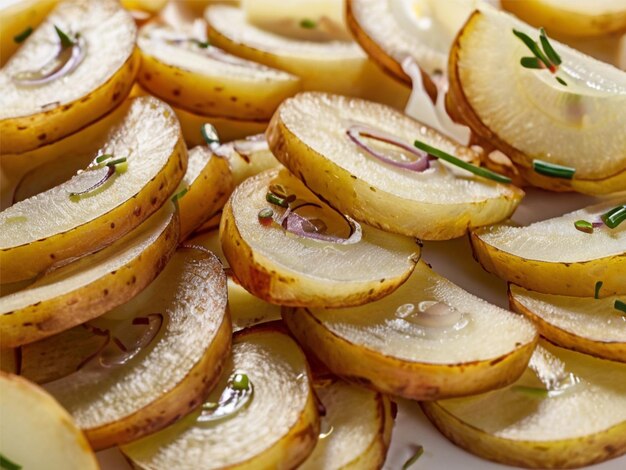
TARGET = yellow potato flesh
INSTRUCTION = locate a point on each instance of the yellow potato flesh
(53, 226)
(32, 116)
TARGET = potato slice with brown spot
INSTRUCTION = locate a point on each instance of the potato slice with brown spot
(42, 102)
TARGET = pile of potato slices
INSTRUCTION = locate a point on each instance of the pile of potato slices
(224, 230)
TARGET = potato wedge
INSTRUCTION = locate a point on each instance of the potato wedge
(572, 18)
(37, 432)
(149, 138)
(38, 106)
(355, 431)
(287, 268)
(153, 372)
(568, 410)
(206, 80)
(276, 409)
(587, 325)
(434, 205)
(428, 340)
(553, 257)
(90, 286)
(580, 125)
(209, 183)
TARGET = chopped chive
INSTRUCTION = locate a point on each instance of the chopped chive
(210, 406)
(209, 134)
(555, 171)
(419, 451)
(596, 294)
(240, 382)
(116, 161)
(619, 305)
(277, 200)
(548, 49)
(103, 157)
(583, 226)
(121, 167)
(179, 195)
(308, 24)
(7, 464)
(561, 81)
(534, 392)
(265, 216)
(534, 48)
(20, 38)
(531, 63)
(484, 172)
(66, 41)
(201, 44)
(615, 216)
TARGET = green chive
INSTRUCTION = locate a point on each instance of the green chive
(277, 200)
(266, 213)
(210, 406)
(209, 134)
(419, 451)
(179, 195)
(596, 295)
(240, 382)
(561, 81)
(619, 305)
(533, 46)
(615, 216)
(555, 171)
(548, 49)
(484, 172)
(583, 226)
(20, 38)
(201, 44)
(66, 41)
(7, 464)
(116, 161)
(534, 392)
(308, 24)
(103, 157)
(531, 63)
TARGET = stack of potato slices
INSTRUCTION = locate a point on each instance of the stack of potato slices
(216, 220)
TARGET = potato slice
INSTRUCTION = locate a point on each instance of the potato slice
(580, 125)
(435, 204)
(206, 80)
(588, 325)
(90, 286)
(273, 423)
(284, 268)
(37, 432)
(568, 410)
(34, 115)
(355, 431)
(209, 183)
(578, 18)
(151, 373)
(553, 257)
(149, 138)
(429, 339)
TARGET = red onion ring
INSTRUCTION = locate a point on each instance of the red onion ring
(298, 225)
(59, 66)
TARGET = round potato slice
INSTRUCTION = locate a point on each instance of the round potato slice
(62, 223)
(428, 340)
(553, 257)
(309, 135)
(43, 100)
(272, 422)
(166, 350)
(203, 79)
(208, 182)
(286, 267)
(568, 410)
(37, 432)
(588, 325)
(355, 431)
(580, 124)
(90, 286)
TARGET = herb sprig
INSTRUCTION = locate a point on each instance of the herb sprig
(419, 451)
(619, 305)
(64, 38)
(553, 170)
(544, 55)
(21, 37)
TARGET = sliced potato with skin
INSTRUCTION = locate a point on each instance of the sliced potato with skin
(356, 428)
(32, 116)
(276, 428)
(428, 340)
(568, 410)
(580, 125)
(90, 286)
(434, 205)
(37, 432)
(162, 372)
(553, 257)
(209, 183)
(588, 325)
(287, 269)
(149, 138)
(207, 80)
